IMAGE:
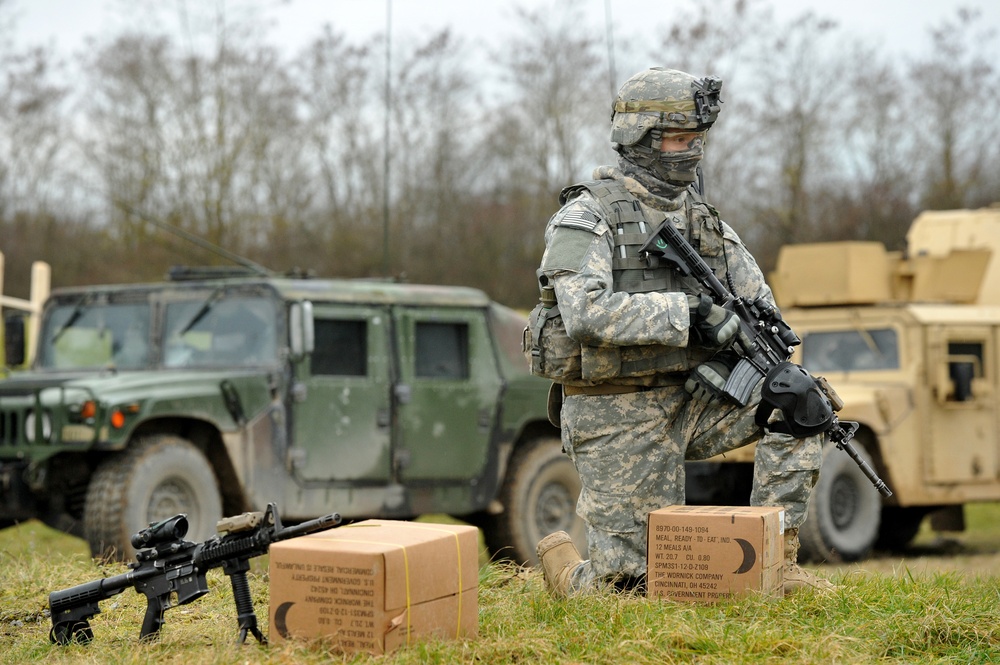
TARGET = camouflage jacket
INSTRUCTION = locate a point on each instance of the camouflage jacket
(616, 319)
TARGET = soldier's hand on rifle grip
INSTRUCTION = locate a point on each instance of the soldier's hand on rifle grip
(706, 381)
(713, 326)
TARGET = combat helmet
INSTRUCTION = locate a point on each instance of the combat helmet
(660, 98)
(655, 101)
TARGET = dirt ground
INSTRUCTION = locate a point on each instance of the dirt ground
(938, 555)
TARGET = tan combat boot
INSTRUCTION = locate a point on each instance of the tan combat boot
(559, 558)
(797, 578)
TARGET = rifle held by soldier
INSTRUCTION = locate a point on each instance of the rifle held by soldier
(764, 345)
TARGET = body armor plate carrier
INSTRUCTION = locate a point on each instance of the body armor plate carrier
(554, 355)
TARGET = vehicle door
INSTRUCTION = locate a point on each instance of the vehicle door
(447, 393)
(963, 420)
(341, 414)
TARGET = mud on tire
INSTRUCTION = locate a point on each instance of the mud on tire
(158, 477)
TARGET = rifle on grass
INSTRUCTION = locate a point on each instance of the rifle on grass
(170, 571)
(764, 344)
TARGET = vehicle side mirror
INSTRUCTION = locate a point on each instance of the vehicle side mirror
(961, 374)
(301, 333)
(14, 340)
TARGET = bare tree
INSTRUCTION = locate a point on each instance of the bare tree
(432, 154)
(342, 121)
(545, 125)
(343, 149)
(33, 138)
(555, 107)
(192, 117)
(874, 198)
(728, 39)
(32, 135)
(434, 147)
(773, 157)
(955, 97)
(127, 142)
(195, 138)
(803, 91)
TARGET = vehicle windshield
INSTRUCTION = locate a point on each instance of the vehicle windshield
(209, 331)
(234, 331)
(84, 335)
(850, 350)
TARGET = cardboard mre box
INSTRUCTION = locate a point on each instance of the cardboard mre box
(376, 585)
(705, 553)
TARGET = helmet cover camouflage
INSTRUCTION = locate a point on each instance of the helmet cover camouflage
(660, 98)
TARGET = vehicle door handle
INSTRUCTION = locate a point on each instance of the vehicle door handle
(485, 418)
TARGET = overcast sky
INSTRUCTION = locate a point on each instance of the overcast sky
(900, 25)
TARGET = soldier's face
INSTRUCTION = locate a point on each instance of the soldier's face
(679, 141)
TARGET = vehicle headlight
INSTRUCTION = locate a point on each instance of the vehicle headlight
(30, 427)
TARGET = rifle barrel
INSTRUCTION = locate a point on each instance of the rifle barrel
(318, 524)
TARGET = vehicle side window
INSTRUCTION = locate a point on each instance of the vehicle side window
(850, 350)
(442, 350)
(341, 348)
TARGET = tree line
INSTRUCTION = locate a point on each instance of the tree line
(442, 163)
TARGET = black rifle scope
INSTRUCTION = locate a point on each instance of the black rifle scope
(160, 533)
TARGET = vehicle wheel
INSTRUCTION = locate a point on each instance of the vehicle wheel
(842, 522)
(539, 497)
(899, 527)
(157, 478)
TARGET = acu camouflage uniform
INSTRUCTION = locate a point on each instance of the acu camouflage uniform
(627, 422)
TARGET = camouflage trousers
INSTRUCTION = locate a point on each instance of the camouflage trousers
(629, 451)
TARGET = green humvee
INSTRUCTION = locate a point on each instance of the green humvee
(216, 393)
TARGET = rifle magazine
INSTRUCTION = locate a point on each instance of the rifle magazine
(743, 378)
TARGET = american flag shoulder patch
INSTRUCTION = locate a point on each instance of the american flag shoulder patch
(579, 219)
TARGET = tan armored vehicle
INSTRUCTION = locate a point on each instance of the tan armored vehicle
(910, 342)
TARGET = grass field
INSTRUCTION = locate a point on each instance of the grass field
(939, 605)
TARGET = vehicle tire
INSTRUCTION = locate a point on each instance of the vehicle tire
(156, 478)
(539, 497)
(842, 522)
(899, 527)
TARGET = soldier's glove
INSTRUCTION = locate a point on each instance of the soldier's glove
(706, 381)
(712, 326)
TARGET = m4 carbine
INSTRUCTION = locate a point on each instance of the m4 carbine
(764, 344)
(170, 571)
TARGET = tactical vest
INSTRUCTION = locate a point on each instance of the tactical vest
(554, 355)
